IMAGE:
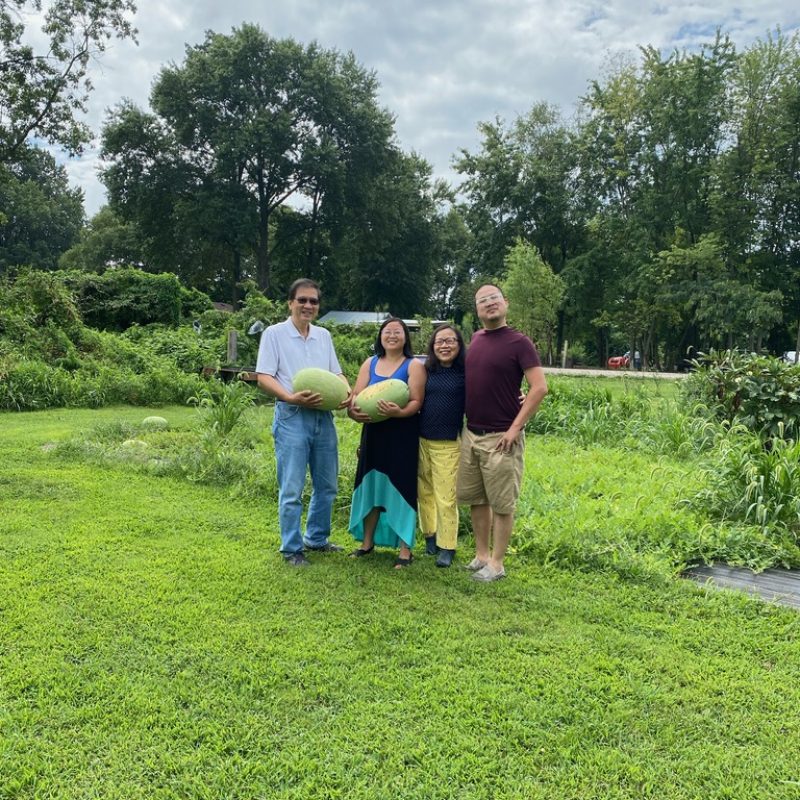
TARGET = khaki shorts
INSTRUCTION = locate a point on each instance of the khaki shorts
(487, 476)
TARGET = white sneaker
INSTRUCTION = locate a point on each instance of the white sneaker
(487, 574)
(475, 565)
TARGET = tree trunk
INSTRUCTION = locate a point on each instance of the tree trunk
(236, 275)
(601, 348)
(262, 247)
(311, 254)
(797, 344)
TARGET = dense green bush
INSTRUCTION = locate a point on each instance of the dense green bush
(49, 358)
(117, 298)
(759, 392)
(588, 412)
(189, 351)
(27, 385)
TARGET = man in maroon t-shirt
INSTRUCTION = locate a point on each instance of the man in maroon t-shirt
(493, 444)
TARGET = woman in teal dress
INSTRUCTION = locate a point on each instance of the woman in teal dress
(384, 506)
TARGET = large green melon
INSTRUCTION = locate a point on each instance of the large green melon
(155, 422)
(393, 390)
(330, 386)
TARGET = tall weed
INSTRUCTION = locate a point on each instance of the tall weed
(221, 405)
(754, 482)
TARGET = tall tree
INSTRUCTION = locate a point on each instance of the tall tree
(41, 91)
(41, 215)
(259, 123)
(535, 294)
(650, 143)
(521, 184)
(279, 119)
(104, 241)
(388, 256)
(757, 203)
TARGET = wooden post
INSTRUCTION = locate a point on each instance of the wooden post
(564, 354)
(233, 347)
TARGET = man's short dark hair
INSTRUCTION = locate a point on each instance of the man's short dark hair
(301, 283)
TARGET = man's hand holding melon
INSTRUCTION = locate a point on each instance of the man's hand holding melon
(320, 390)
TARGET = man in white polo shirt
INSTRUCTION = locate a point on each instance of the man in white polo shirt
(305, 438)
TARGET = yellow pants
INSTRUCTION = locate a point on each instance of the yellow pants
(436, 490)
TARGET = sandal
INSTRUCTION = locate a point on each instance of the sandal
(402, 563)
(360, 551)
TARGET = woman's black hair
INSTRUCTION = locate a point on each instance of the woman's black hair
(380, 350)
(432, 362)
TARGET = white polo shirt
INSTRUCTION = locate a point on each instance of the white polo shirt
(283, 352)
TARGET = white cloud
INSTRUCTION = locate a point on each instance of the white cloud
(443, 67)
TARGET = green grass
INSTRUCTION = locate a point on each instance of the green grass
(153, 645)
(617, 386)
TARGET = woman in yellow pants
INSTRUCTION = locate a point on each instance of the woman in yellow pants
(440, 423)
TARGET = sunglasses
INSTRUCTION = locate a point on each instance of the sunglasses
(307, 301)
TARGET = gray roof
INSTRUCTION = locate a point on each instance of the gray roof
(354, 317)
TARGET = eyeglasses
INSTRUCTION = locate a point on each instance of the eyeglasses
(490, 298)
(449, 340)
(307, 301)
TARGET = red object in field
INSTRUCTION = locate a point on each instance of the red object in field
(618, 362)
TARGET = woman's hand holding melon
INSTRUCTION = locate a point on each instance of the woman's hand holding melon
(389, 409)
(355, 413)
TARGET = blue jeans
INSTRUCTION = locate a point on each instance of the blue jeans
(305, 440)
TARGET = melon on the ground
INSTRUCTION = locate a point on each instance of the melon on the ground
(155, 422)
(332, 388)
(391, 390)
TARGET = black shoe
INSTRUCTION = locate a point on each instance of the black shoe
(328, 547)
(360, 552)
(401, 563)
(430, 545)
(445, 558)
(297, 560)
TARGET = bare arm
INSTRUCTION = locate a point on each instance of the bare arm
(537, 390)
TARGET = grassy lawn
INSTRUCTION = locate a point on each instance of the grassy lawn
(153, 645)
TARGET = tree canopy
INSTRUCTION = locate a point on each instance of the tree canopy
(663, 216)
(249, 125)
(41, 91)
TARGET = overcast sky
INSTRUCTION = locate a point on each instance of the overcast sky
(443, 65)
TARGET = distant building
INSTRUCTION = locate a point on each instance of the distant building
(363, 318)
(354, 317)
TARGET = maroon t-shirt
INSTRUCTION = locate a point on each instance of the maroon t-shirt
(495, 365)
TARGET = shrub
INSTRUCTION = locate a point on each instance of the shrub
(353, 343)
(118, 298)
(751, 482)
(759, 392)
(187, 350)
(40, 297)
(27, 385)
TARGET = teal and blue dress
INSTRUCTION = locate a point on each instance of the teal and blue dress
(386, 476)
